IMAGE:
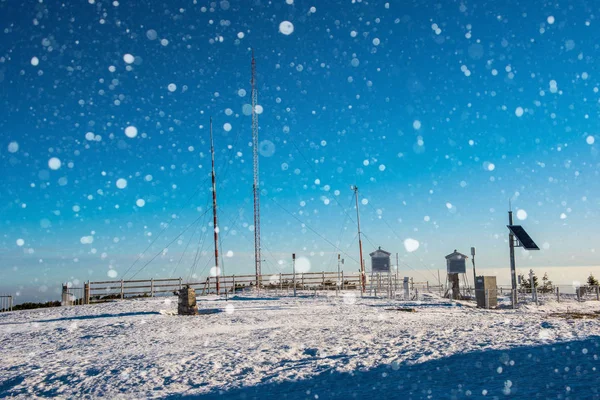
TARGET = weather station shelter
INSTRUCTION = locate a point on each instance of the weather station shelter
(455, 265)
(380, 261)
(381, 268)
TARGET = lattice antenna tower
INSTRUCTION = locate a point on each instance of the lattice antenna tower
(255, 186)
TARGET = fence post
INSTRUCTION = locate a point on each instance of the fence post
(152, 287)
(302, 277)
(122, 290)
(557, 295)
(323, 281)
(342, 280)
(65, 298)
(11, 303)
(233, 283)
(597, 293)
(86, 292)
(533, 288)
(180, 283)
(280, 283)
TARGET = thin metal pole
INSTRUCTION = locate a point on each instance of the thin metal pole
(294, 271)
(214, 197)
(363, 278)
(533, 288)
(255, 186)
(473, 261)
(513, 271)
(337, 285)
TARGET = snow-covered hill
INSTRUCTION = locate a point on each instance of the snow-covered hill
(297, 348)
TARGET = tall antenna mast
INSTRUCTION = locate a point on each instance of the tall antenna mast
(214, 196)
(363, 277)
(255, 186)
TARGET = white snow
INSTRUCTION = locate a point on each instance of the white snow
(519, 111)
(128, 58)
(131, 131)
(324, 347)
(411, 245)
(54, 163)
(87, 240)
(121, 183)
(521, 214)
(151, 34)
(13, 147)
(286, 27)
(302, 265)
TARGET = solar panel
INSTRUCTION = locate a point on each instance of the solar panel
(523, 237)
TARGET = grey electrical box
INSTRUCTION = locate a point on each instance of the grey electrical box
(486, 292)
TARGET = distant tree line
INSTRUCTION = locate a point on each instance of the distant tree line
(546, 286)
(526, 283)
(31, 306)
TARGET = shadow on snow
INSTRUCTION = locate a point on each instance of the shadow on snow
(565, 370)
(84, 317)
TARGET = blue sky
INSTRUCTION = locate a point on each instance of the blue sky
(439, 113)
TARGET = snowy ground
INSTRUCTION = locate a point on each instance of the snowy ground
(297, 348)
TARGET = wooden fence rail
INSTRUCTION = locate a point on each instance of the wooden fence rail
(392, 286)
(101, 291)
